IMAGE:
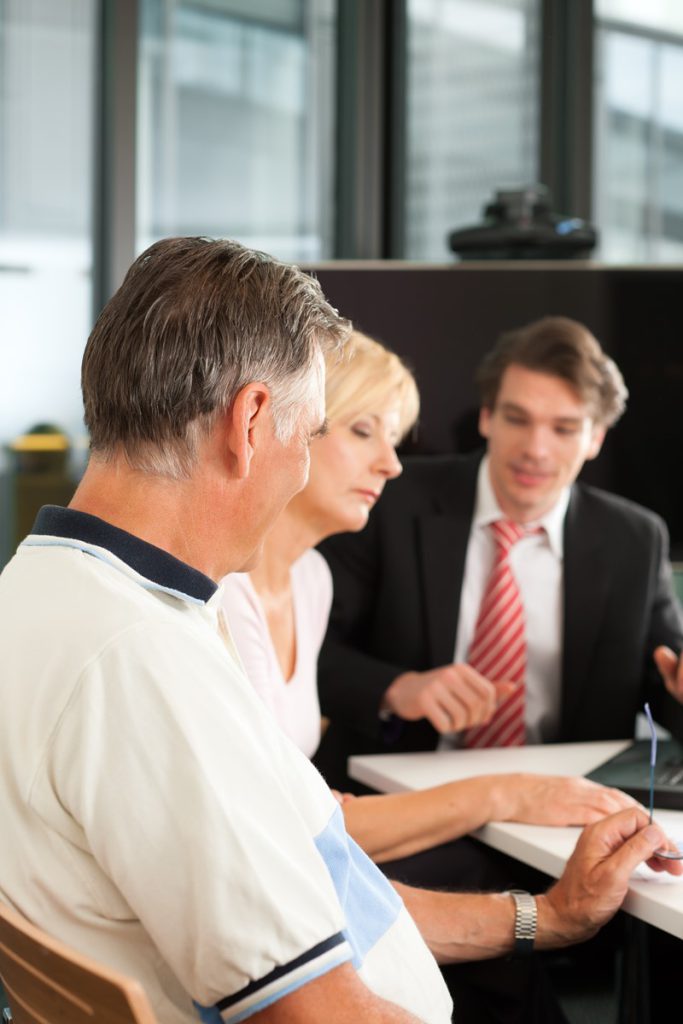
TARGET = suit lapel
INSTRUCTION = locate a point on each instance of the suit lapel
(586, 580)
(442, 540)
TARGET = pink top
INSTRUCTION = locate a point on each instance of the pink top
(294, 702)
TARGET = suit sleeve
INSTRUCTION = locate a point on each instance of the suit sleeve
(352, 681)
(666, 627)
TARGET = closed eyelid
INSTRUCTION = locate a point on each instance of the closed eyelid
(569, 427)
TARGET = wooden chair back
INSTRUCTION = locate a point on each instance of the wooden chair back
(46, 982)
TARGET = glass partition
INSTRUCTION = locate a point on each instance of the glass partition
(46, 173)
(639, 131)
(472, 112)
(46, 139)
(236, 123)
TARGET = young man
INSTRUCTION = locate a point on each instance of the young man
(159, 819)
(404, 664)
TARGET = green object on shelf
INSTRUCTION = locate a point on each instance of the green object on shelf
(678, 581)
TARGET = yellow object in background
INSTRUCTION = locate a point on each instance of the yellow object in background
(39, 475)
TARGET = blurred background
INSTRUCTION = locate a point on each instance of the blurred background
(314, 129)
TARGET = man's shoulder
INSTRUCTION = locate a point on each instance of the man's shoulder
(613, 512)
(312, 572)
(82, 605)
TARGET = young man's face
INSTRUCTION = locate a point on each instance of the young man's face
(539, 433)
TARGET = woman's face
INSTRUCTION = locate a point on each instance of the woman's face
(349, 467)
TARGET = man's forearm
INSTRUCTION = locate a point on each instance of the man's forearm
(479, 926)
(462, 926)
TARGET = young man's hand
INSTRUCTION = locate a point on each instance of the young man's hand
(670, 668)
(452, 697)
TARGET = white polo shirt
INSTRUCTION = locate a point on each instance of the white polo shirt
(156, 817)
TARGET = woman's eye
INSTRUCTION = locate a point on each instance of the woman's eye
(361, 431)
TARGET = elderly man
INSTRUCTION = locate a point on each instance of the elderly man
(495, 601)
(159, 819)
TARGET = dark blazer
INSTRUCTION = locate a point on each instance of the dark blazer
(397, 596)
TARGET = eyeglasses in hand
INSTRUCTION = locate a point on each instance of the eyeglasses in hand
(664, 854)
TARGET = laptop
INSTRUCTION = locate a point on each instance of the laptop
(630, 771)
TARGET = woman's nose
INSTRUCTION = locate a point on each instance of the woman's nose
(388, 462)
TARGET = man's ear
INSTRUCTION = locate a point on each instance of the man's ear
(248, 415)
(484, 421)
(597, 437)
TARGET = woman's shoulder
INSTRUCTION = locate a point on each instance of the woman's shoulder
(238, 595)
(312, 572)
(312, 588)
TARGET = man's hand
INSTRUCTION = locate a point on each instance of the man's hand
(452, 697)
(671, 670)
(475, 926)
(597, 874)
(556, 800)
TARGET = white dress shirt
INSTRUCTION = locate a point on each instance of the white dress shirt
(536, 561)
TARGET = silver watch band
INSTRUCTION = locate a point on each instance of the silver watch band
(526, 917)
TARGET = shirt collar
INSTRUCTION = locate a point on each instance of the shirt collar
(487, 510)
(153, 567)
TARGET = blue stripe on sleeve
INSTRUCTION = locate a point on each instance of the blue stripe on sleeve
(369, 901)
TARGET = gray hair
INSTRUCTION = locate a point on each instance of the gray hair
(194, 321)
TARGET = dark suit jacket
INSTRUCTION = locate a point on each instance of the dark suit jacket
(397, 595)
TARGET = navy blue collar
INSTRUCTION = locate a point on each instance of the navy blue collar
(153, 563)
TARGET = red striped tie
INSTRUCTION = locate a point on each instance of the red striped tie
(498, 648)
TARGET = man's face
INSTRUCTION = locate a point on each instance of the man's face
(539, 433)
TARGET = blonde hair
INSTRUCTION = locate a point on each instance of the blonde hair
(368, 376)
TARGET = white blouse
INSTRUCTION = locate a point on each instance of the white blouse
(294, 702)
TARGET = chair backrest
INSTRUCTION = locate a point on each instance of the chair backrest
(46, 981)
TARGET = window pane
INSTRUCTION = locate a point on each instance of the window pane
(46, 114)
(46, 90)
(235, 123)
(639, 145)
(660, 15)
(473, 112)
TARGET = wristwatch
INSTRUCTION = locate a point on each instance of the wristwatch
(526, 916)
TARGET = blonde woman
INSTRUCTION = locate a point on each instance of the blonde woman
(278, 615)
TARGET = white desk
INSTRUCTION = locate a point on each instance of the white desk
(654, 898)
